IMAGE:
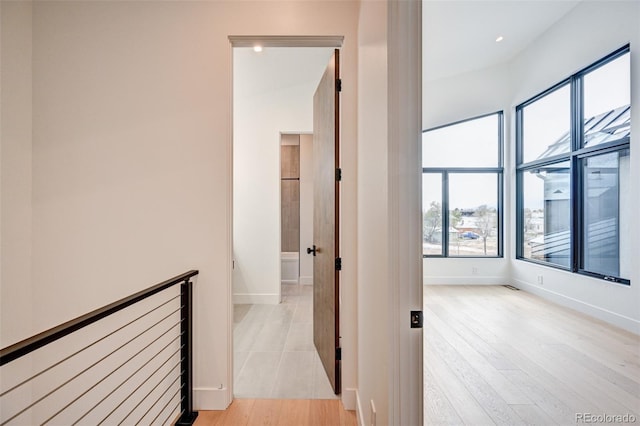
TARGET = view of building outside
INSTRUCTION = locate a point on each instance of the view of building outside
(465, 157)
(546, 219)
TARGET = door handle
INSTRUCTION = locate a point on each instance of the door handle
(312, 250)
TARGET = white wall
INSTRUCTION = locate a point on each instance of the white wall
(131, 152)
(15, 193)
(259, 117)
(373, 303)
(464, 95)
(306, 208)
(15, 171)
(389, 219)
(587, 33)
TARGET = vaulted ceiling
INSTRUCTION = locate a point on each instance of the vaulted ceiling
(460, 36)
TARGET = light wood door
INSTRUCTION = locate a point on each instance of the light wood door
(326, 294)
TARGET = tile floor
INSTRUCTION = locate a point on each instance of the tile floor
(274, 355)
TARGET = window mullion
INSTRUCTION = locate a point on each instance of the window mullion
(577, 136)
(445, 214)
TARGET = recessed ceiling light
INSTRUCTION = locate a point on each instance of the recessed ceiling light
(499, 39)
(257, 48)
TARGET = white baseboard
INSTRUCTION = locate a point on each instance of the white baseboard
(211, 398)
(349, 399)
(359, 416)
(289, 282)
(306, 280)
(605, 315)
(255, 299)
(464, 280)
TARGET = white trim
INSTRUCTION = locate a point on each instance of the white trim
(250, 41)
(286, 41)
(256, 298)
(211, 398)
(349, 397)
(465, 280)
(306, 280)
(289, 282)
(230, 258)
(359, 416)
(614, 318)
(404, 50)
(306, 132)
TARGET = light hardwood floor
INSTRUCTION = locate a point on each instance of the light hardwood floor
(505, 357)
(280, 412)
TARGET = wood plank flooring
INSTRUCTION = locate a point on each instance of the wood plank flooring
(279, 412)
(495, 356)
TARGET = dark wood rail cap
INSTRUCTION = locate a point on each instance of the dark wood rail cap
(17, 350)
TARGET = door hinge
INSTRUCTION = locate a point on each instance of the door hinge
(338, 354)
(416, 319)
(339, 85)
(338, 263)
(338, 174)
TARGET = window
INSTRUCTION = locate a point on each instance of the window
(573, 172)
(462, 188)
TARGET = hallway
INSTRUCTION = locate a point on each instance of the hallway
(274, 355)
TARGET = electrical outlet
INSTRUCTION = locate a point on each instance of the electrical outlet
(540, 280)
(474, 270)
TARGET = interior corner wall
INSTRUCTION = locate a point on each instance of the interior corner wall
(15, 171)
(589, 32)
(458, 98)
(373, 305)
(132, 131)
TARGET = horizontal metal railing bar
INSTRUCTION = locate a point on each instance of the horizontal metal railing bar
(88, 346)
(116, 369)
(167, 404)
(128, 396)
(173, 411)
(17, 350)
(156, 401)
(134, 373)
(156, 386)
(122, 402)
(90, 367)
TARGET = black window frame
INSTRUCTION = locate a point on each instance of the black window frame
(446, 171)
(577, 155)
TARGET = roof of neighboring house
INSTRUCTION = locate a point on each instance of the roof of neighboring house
(602, 236)
(602, 128)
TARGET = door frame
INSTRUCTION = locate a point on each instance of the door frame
(333, 41)
(406, 401)
(404, 37)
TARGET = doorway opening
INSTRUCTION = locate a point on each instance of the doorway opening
(296, 214)
(274, 354)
